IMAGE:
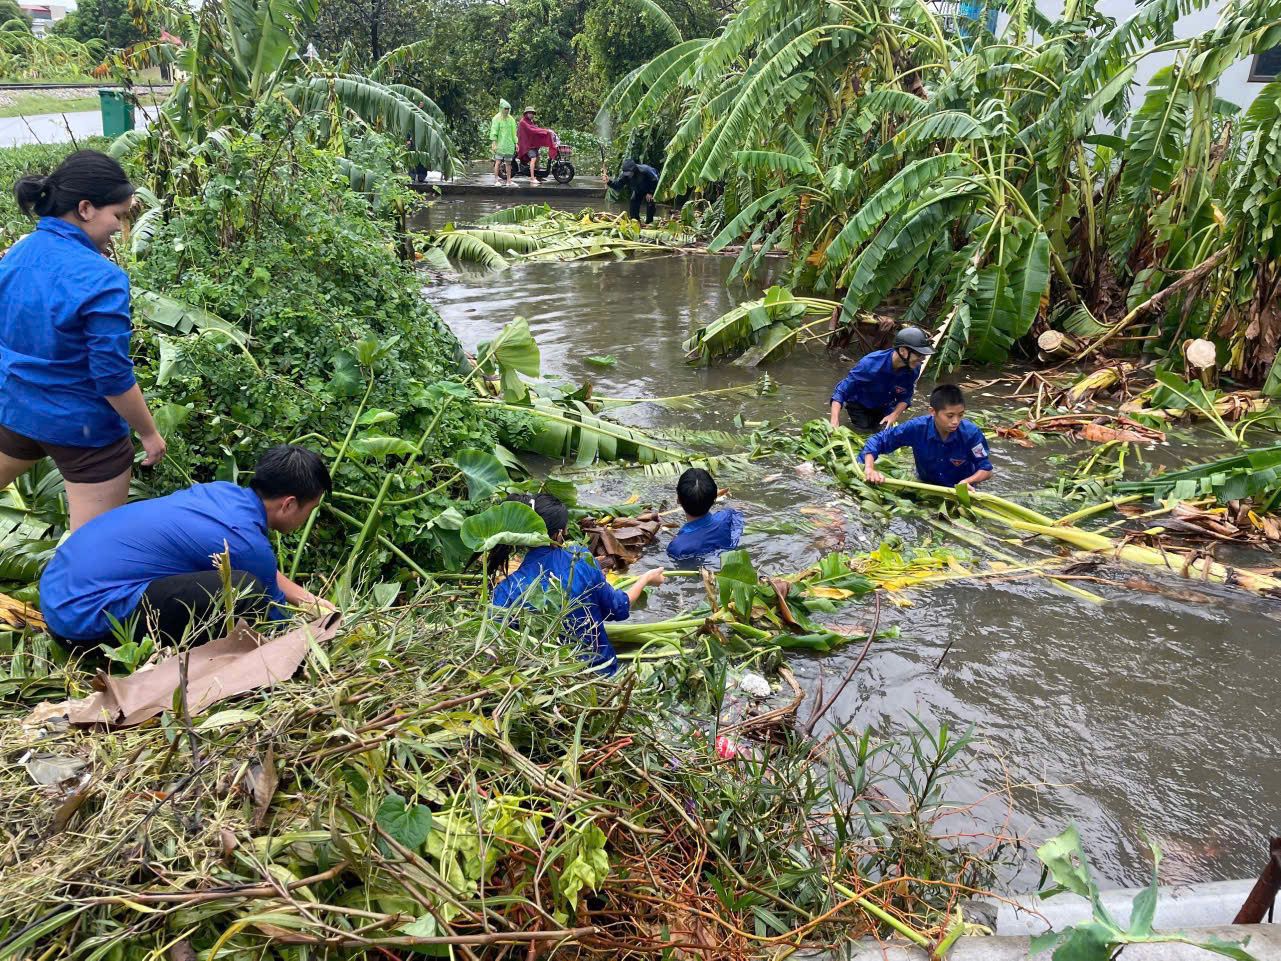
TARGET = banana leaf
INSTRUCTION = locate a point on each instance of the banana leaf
(1250, 474)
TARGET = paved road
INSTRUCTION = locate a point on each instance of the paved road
(55, 127)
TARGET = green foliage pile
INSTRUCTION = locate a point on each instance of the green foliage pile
(433, 774)
(963, 178)
(329, 317)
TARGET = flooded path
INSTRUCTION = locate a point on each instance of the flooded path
(1149, 714)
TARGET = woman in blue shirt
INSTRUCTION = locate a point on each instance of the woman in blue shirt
(67, 389)
(573, 571)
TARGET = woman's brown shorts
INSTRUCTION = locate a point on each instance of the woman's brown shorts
(79, 465)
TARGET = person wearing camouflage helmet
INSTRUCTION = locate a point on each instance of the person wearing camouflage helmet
(880, 386)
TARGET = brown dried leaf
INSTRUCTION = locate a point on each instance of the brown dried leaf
(1101, 434)
(260, 784)
(781, 589)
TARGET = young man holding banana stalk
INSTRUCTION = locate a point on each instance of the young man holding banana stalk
(948, 449)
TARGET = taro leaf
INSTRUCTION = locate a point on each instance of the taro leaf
(445, 529)
(563, 490)
(348, 379)
(507, 523)
(516, 353)
(374, 415)
(380, 446)
(484, 472)
(408, 825)
(444, 390)
(602, 360)
(169, 417)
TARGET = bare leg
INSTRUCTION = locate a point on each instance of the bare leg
(87, 501)
(11, 469)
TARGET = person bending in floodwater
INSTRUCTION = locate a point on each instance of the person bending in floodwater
(880, 386)
(573, 570)
(948, 449)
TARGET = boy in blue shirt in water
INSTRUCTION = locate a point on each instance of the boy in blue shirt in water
(592, 600)
(948, 449)
(879, 388)
(704, 533)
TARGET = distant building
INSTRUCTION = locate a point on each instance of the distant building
(44, 15)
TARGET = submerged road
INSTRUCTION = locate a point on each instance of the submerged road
(58, 127)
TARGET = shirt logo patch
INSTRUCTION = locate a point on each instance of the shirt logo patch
(957, 463)
(978, 451)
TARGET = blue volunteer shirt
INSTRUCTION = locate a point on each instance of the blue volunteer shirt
(874, 383)
(709, 534)
(104, 567)
(594, 600)
(64, 338)
(938, 461)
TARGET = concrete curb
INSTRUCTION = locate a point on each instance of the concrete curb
(1261, 940)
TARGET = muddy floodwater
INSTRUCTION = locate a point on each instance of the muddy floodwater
(1151, 714)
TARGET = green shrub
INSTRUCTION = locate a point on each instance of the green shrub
(275, 245)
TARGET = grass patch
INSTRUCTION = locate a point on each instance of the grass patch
(30, 104)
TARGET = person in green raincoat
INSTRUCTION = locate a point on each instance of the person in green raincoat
(502, 141)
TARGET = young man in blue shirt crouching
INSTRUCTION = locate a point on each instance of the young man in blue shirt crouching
(948, 449)
(880, 386)
(704, 533)
(156, 557)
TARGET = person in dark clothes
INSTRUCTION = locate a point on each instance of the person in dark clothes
(642, 181)
(158, 558)
(419, 174)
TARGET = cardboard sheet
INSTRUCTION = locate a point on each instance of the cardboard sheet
(241, 661)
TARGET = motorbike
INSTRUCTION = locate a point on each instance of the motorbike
(560, 165)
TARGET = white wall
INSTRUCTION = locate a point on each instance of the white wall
(1233, 85)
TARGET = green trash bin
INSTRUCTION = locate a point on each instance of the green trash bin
(117, 112)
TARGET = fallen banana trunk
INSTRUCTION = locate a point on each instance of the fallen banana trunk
(1189, 564)
(1024, 519)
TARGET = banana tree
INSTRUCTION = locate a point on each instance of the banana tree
(968, 176)
(240, 58)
